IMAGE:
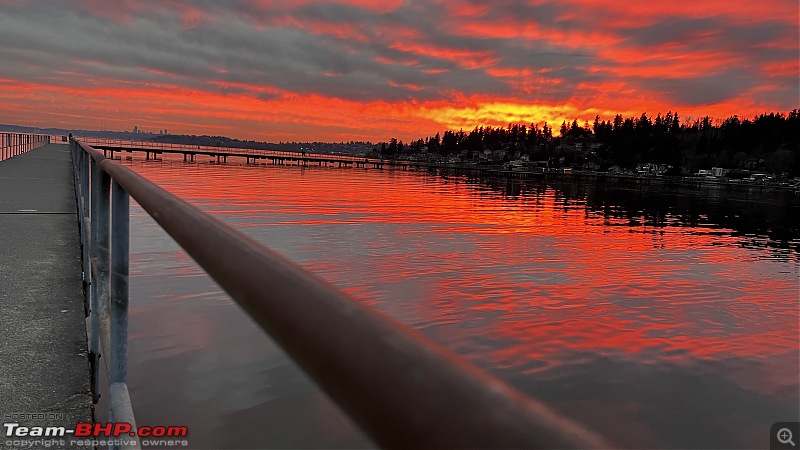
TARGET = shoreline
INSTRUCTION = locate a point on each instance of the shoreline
(604, 176)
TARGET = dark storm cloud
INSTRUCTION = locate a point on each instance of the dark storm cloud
(705, 31)
(293, 59)
(753, 43)
(701, 90)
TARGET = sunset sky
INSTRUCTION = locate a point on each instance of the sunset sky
(300, 70)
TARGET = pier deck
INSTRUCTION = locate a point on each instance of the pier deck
(44, 367)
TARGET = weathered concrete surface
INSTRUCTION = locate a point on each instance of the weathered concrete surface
(43, 350)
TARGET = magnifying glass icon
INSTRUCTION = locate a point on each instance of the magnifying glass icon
(785, 436)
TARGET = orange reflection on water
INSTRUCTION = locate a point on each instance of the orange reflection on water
(539, 272)
(529, 280)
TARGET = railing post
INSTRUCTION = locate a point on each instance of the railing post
(101, 224)
(84, 170)
(99, 247)
(120, 408)
(82, 191)
(120, 207)
(94, 324)
(75, 176)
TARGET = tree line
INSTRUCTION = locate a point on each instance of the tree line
(768, 142)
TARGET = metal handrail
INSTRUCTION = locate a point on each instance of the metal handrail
(13, 144)
(102, 206)
(401, 388)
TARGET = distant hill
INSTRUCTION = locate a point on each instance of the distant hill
(344, 148)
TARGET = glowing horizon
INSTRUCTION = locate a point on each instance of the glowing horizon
(346, 70)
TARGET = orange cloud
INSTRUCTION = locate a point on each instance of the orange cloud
(286, 116)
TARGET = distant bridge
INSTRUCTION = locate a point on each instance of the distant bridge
(152, 150)
(251, 156)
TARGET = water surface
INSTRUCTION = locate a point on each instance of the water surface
(658, 317)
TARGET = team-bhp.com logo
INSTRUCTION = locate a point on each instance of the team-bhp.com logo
(86, 433)
(85, 429)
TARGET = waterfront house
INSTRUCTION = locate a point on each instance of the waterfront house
(718, 172)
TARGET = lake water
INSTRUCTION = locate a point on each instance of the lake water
(657, 318)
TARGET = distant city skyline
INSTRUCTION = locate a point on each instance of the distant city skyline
(368, 69)
(137, 130)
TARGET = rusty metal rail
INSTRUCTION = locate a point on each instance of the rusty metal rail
(402, 389)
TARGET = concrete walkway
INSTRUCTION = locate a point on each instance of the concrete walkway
(44, 367)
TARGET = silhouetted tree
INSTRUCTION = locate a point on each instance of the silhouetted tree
(769, 142)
